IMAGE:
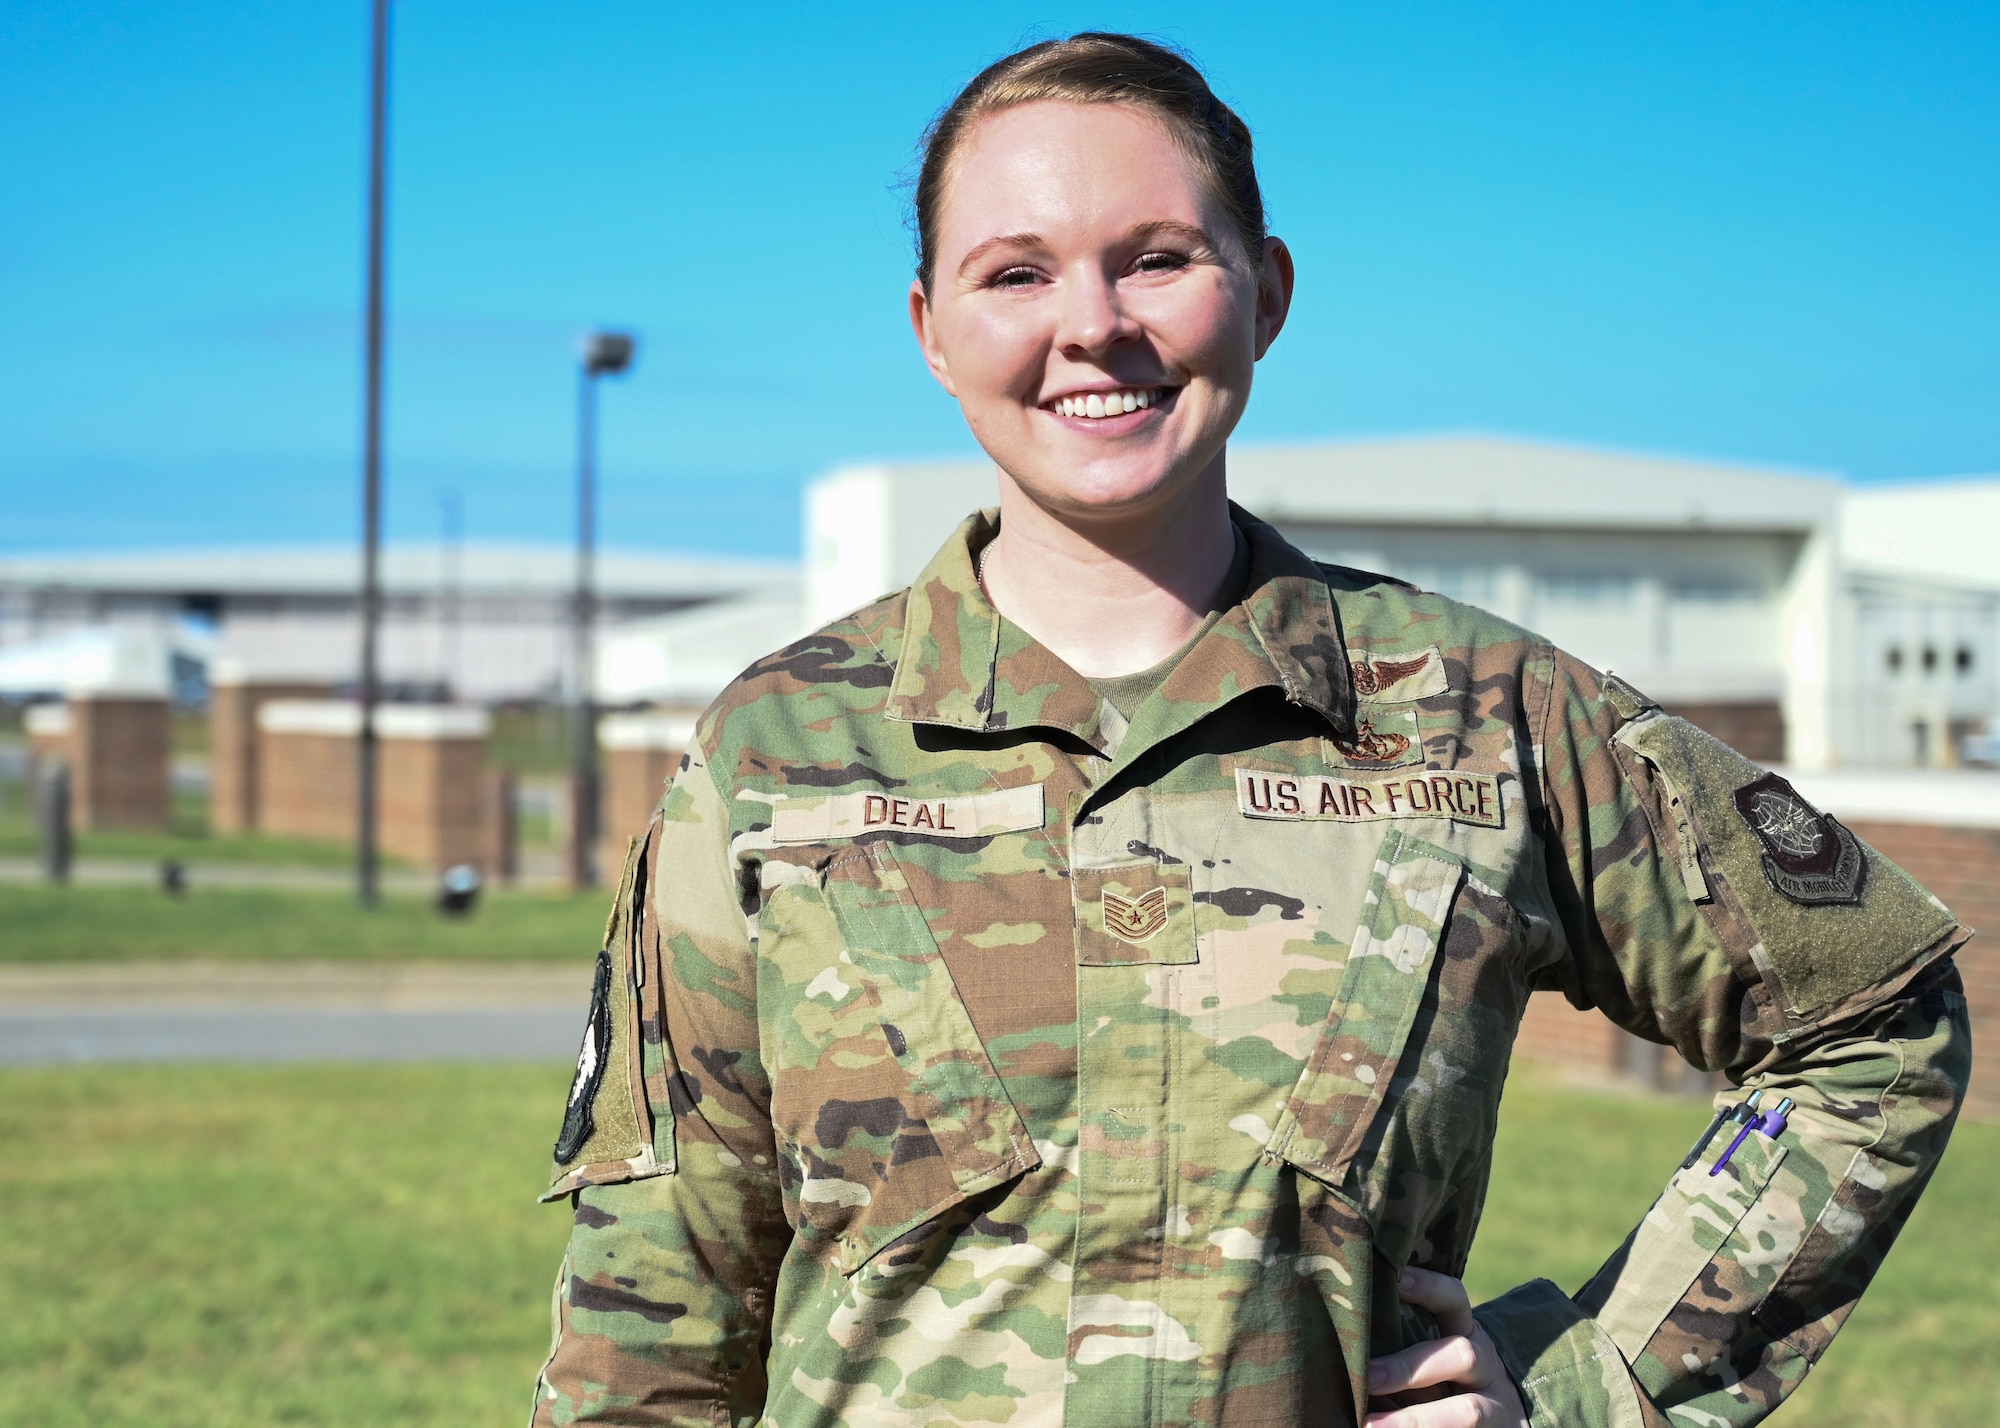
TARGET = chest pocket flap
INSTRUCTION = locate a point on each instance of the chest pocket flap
(887, 1107)
(1389, 962)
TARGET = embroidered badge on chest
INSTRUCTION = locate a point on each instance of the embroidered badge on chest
(1135, 919)
(591, 1059)
(1372, 745)
(1808, 857)
(1372, 677)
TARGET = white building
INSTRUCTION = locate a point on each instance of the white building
(484, 622)
(1769, 606)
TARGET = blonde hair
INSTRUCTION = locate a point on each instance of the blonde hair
(1097, 67)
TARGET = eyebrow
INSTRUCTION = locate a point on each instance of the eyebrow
(1006, 240)
(1156, 228)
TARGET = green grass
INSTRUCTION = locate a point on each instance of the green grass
(1573, 1172)
(96, 924)
(233, 1246)
(227, 1246)
(187, 839)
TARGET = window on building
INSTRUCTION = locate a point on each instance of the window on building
(1895, 659)
(1714, 590)
(1964, 659)
(1588, 589)
(1930, 658)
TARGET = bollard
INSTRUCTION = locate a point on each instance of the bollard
(52, 821)
(458, 890)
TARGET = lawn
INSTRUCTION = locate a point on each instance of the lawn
(1573, 1173)
(248, 1246)
(187, 840)
(96, 923)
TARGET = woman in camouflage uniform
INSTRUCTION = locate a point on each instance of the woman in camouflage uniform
(1076, 989)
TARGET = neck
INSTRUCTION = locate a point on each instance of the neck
(1112, 596)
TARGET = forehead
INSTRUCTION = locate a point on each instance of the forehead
(1053, 168)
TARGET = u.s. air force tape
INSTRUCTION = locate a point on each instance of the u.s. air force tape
(1415, 793)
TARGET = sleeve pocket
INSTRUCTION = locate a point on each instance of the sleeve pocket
(612, 1129)
(1689, 1225)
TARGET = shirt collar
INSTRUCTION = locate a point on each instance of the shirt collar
(962, 667)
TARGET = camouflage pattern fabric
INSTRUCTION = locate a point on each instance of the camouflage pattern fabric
(991, 1057)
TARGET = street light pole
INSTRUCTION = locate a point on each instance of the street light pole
(365, 871)
(604, 354)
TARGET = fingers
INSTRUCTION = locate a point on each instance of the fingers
(1441, 1294)
(1424, 1365)
(1461, 1410)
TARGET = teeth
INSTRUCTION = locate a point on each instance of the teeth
(1103, 404)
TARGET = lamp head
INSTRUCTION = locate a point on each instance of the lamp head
(607, 353)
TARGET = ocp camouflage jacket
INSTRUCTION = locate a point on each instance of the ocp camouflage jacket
(964, 1054)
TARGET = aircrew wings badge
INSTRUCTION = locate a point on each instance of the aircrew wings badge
(1135, 919)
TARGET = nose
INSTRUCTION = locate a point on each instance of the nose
(1090, 319)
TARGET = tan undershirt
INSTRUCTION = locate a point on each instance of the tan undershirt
(1126, 692)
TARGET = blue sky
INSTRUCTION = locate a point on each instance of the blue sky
(1764, 233)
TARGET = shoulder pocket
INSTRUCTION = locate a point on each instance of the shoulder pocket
(616, 1123)
(886, 1106)
(1389, 962)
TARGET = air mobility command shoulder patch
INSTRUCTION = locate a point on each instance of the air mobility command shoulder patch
(591, 1059)
(1808, 856)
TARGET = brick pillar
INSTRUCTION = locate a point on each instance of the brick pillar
(432, 776)
(232, 740)
(642, 753)
(118, 749)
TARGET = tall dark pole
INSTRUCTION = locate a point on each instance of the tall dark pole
(604, 353)
(583, 727)
(371, 474)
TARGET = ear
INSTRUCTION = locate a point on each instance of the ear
(1274, 293)
(923, 322)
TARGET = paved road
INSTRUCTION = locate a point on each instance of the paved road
(309, 1012)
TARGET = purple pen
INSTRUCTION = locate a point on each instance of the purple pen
(1769, 1124)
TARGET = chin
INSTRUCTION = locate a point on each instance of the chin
(1106, 493)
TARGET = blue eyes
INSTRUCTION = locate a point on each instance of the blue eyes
(1019, 279)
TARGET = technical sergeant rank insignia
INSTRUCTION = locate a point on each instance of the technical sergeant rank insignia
(1135, 919)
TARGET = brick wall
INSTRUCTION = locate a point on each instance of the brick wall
(433, 800)
(1962, 867)
(1755, 729)
(232, 743)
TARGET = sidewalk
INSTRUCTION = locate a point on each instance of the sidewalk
(216, 1011)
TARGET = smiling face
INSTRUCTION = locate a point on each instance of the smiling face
(1093, 310)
